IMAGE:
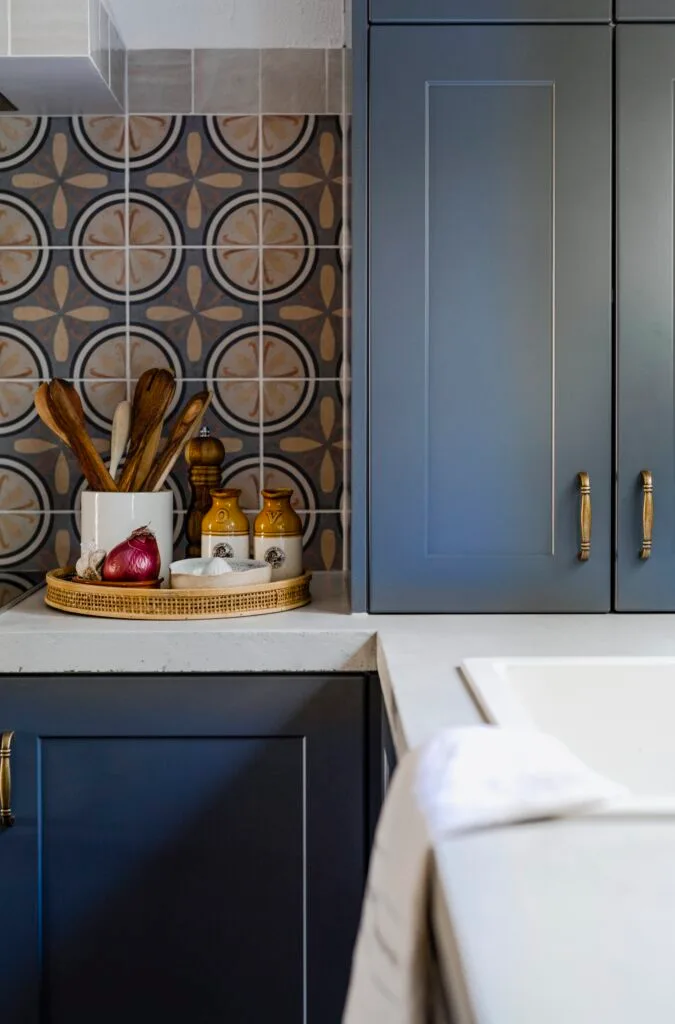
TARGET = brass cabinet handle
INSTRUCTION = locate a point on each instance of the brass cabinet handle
(585, 516)
(647, 514)
(6, 816)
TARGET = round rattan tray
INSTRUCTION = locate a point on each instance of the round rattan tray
(111, 603)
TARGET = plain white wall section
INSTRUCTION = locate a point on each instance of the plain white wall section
(229, 24)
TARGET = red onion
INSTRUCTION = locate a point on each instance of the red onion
(135, 560)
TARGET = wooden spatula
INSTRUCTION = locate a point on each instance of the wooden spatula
(185, 427)
(119, 436)
(152, 398)
(66, 408)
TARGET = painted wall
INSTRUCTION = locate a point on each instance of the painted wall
(157, 24)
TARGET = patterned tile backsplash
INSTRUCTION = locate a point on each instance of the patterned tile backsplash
(212, 245)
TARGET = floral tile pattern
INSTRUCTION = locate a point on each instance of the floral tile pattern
(324, 551)
(303, 429)
(199, 167)
(197, 308)
(211, 245)
(79, 294)
(303, 165)
(51, 169)
(315, 312)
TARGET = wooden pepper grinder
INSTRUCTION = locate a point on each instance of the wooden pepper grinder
(204, 455)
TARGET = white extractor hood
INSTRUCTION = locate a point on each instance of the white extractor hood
(229, 24)
(60, 57)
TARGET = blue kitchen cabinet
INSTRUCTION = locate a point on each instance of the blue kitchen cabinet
(184, 848)
(489, 317)
(645, 10)
(645, 331)
(476, 11)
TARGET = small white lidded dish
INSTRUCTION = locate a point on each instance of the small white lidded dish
(218, 573)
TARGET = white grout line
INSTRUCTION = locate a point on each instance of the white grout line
(127, 227)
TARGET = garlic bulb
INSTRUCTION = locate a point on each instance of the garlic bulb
(90, 562)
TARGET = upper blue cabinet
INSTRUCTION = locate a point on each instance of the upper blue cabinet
(645, 10)
(477, 11)
(490, 159)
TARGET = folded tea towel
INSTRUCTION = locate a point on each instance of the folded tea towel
(462, 780)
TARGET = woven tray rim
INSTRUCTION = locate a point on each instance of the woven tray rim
(147, 604)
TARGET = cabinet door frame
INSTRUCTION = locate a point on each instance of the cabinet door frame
(492, 11)
(414, 570)
(320, 710)
(645, 10)
(360, 383)
(645, 334)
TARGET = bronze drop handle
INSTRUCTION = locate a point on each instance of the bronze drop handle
(647, 479)
(585, 516)
(6, 816)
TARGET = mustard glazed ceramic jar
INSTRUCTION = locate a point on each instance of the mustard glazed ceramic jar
(278, 535)
(225, 530)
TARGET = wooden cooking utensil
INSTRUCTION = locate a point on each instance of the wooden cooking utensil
(44, 411)
(185, 427)
(152, 398)
(119, 437)
(66, 408)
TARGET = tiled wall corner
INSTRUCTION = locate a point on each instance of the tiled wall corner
(214, 245)
(298, 81)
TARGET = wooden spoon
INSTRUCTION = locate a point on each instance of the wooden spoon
(152, 398)
(66, 408)
(185, 427)
(119, 437)
(44, 411)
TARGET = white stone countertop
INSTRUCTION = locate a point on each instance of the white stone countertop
(555, 922)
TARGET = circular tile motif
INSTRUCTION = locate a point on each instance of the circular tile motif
(238, 404)
(236, 222)
(152, 271)
(101, 223)
(22, 363)
(244, 473)
(235, 138)
(237, 271)
(285, 137)
(21, 270)
(101, 366)
(20, 139)
(23, 257)
(284, 222)
(152, 137)
(284, 271)
(236, 356)
(22, 530)
(103, 271)
(152, 222)
(279, 473)
(285, 354)
(102, 138)
(12, 585)
(149, 349)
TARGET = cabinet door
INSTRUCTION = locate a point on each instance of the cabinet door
(645, 10)
(492, 10)
(184, 849)
(490, 198)
(646, 367)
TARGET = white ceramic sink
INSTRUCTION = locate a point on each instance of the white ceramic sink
(616, 714)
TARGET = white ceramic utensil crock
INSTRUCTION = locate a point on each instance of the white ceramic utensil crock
(108, 519)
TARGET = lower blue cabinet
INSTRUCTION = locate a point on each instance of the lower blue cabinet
(185, 848)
